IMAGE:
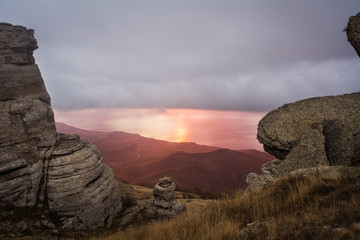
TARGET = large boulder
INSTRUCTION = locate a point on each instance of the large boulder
(81, 189)
(313, 132)
(38, 167)
(27, 127)
(353, 32)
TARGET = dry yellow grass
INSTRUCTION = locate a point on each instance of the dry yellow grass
(142, 193)
(293, 208)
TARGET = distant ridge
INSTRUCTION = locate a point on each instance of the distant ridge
(193, 167)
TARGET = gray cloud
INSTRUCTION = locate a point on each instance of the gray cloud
(225, 55)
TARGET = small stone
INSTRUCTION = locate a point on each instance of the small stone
(47, 224)
(21, 226)
(37, 224)
(164, 191)
(164, 199)
(258, 182)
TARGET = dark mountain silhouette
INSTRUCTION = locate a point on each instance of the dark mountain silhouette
(193, 167)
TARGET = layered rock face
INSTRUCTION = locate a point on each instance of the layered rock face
(313, 132)
(81, 189)
(39, 167)
(353, 32)
(27, 132)
(163, 206)
(164, 198)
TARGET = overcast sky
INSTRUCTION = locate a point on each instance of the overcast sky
(240, 55)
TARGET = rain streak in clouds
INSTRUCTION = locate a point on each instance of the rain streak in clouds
(221, 55)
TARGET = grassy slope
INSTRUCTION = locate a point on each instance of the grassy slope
(292, 208)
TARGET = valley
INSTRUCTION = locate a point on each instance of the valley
(195, 168)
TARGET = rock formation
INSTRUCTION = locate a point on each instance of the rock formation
(353, 32)
(80, 185)
(38, 167)
(164, 198)
(314, 132)
(27, 132)
(164, 205)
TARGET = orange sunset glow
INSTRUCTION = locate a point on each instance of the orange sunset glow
(227, 129)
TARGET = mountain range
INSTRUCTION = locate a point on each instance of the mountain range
(193, 167)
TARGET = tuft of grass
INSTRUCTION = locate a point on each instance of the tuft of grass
(292, 208)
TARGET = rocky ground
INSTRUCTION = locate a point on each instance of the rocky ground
(32, 223)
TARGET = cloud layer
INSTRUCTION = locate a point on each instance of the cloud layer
(223, 55)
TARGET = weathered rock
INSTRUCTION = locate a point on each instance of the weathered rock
(254, 230)
(79, 184)
(27, 132)
(309, 134)
(38, 167)
(328, 172)
(164, 198)
(313, 132)
(258, 182)
(164, 205)
(16, 44)
(164, 192)
(353, 32)
(129, 215)
(270, 167)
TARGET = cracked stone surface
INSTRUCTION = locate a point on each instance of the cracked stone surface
(313, 132)
(39, 167)
(309, 134)
(353, 32)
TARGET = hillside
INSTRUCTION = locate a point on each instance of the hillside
(194, 167)
(217, 171)
(295, 207)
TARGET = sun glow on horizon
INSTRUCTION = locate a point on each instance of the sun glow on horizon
(227, 129)
(181, 135)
